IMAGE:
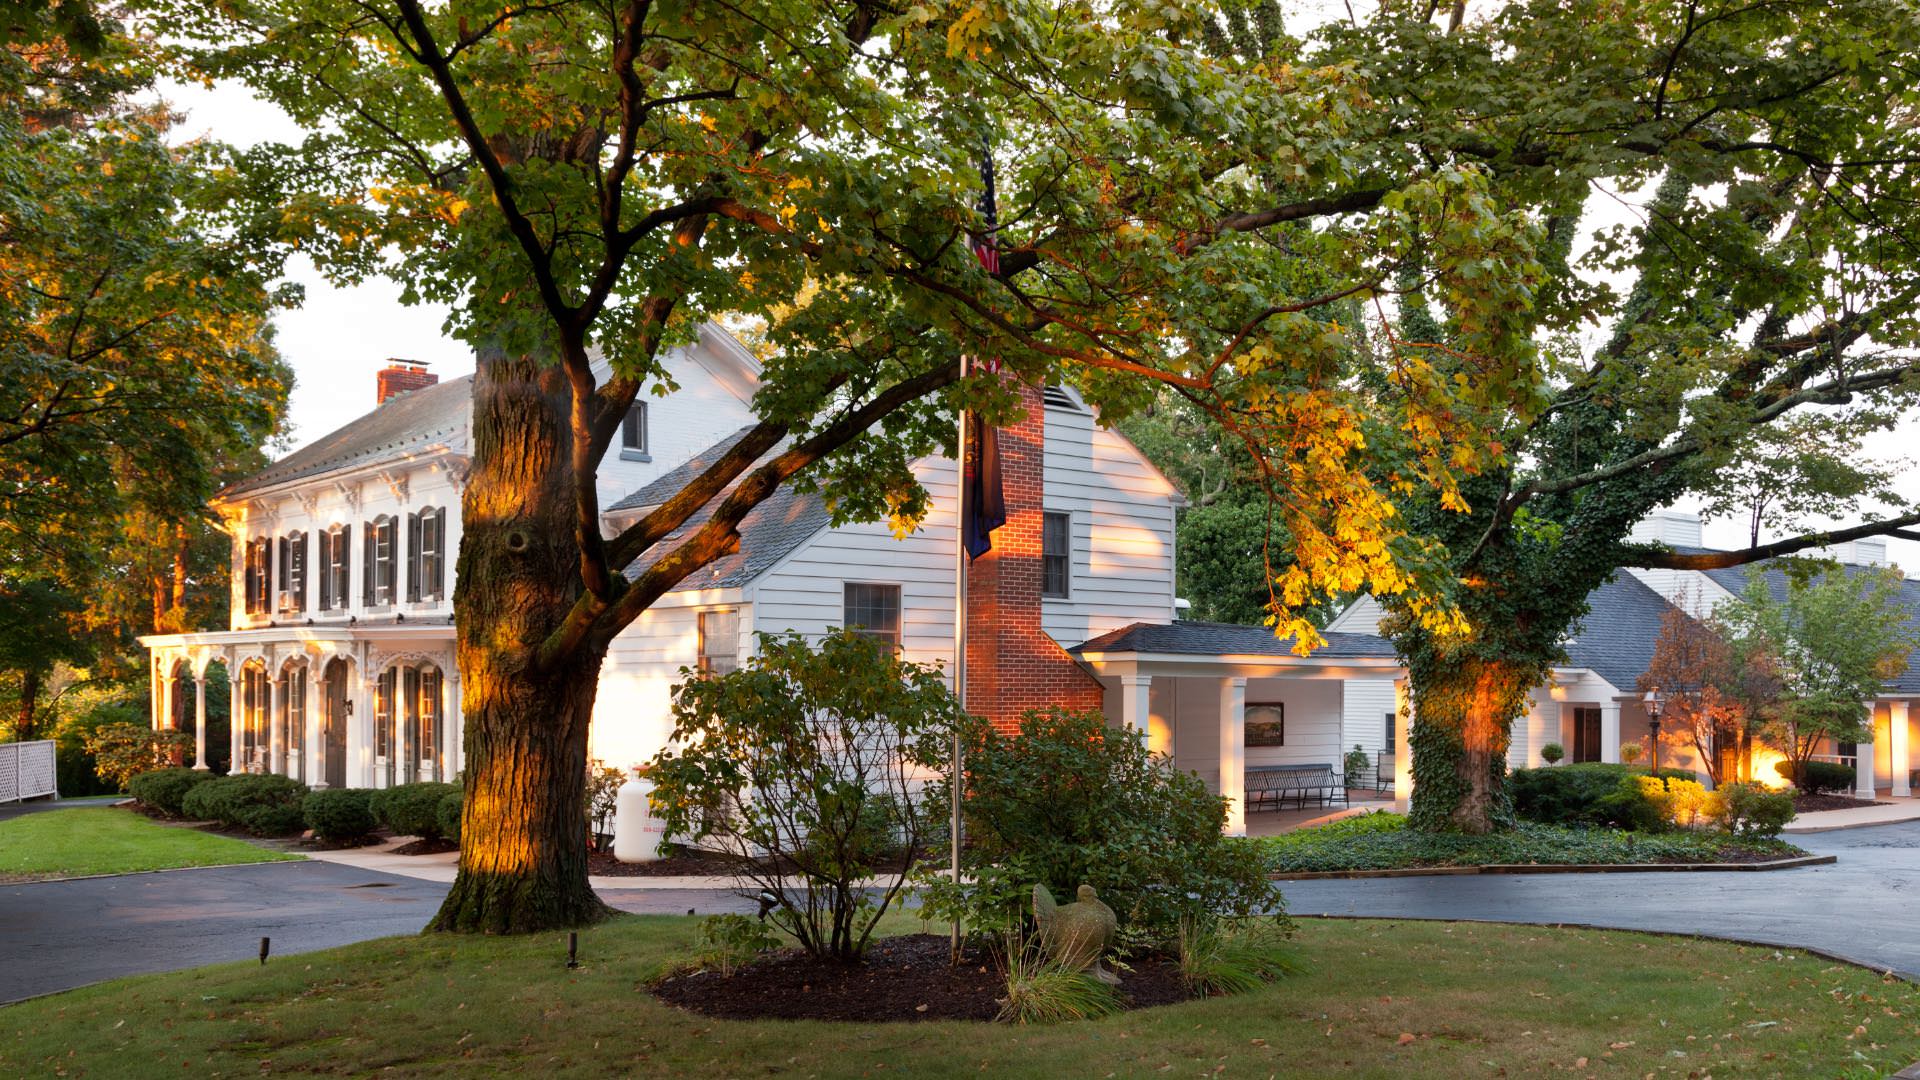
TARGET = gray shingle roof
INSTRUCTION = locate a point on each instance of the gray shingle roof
(1193, 638)
(1734, 579)
(1615, 638)
(431, 415)
(768, 533)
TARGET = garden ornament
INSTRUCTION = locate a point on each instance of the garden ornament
(1076, 935)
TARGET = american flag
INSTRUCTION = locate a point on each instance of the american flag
(986, 246)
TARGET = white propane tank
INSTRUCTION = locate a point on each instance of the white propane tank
(637, 831)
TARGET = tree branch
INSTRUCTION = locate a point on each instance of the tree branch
(1720, 560)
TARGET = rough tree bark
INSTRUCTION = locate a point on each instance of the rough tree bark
(1463, 709)
(523, 860)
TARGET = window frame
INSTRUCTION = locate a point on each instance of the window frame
(635, 435)
(899, 610)
(704, 657)
(1063, 558)
(378, 576)
(336, 570)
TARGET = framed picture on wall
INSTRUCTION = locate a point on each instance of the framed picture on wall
(1267, 724)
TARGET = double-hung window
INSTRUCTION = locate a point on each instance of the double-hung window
(255, 570)
(873, 610)
(293, 572)
(426, 554)
(376, 574)
(633, 431)
(719, 641)
(1056, 554)
(335, 557)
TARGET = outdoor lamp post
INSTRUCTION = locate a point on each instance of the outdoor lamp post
(1652, 702)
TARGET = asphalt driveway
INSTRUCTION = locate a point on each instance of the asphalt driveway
(1860, 908)
(64, 934)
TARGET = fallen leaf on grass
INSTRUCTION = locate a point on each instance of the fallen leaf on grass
(1405, 1038)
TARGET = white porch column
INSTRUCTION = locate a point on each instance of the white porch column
(236, 722)
(1863, 761)
(1610, 731)
(154, 689)
(1233, 752)
(360, 771)
(314, 756)
(1897, 743)
(200, 720)
(276, 730)
(1136, 708)
(453, 724)
(1403, 751)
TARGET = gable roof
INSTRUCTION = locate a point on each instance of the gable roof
(1189, 637)
(1615, 639)
(768, 534)
(430, 416)
(1734, 579)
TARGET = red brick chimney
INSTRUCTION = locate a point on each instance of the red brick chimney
(1012, 665)
(401, 376)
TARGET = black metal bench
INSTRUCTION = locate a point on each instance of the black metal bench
(1280, 785)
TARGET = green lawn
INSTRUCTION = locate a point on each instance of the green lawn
(1384, 999)
(76, 843)
(1381, 841)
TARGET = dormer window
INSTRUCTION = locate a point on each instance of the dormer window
(255, 571)
(376, 577)
(293, 573)
(426, 554)
(633, 433)
(336, 567)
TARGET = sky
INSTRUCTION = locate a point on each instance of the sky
(340, 337)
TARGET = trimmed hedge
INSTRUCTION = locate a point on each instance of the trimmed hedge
(338, 815)
(265, 804)
(1589, 793)
(449, 812)
(1382, 841)
(1821, 777)
(412, 809)
(163, 789)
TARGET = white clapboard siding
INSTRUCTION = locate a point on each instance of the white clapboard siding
(632, 715)
(1366, 713)
(704, 408)
(806, 591)
(1122, 530)
(1360, 617)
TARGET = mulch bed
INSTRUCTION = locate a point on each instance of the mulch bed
(1803, 804)
(904, 979)
(684, 862)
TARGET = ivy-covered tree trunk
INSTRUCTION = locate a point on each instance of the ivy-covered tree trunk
(1463, 714)
(523, 828)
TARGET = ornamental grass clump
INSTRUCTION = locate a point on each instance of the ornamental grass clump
(1041, 990)
(1219, 957)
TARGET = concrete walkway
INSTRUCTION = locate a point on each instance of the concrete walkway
(440, 868)
(1889, 811)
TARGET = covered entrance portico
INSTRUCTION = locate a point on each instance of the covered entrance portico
(332, 706)
(1230, 702)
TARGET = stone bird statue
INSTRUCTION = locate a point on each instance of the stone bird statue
(1076, 935)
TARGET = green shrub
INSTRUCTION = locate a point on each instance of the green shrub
(449, 813)
(412, 809)
(122, 751)
(1070, 801)
(803, 764)
(1356, 765)
(245, 801)
(1638, 802)
(1818, 777)
(163, 789)
(1752, 810)
(1589, 793)
(1552, 753)
(338, 815)
(1382, 841)
(730, 942)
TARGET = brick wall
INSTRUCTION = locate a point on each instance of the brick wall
(399, 377)
(1012, 665)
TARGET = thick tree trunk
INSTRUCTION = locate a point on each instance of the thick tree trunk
(29, 701)
(1463, 713)
(523, 830)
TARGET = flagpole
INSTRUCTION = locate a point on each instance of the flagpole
(957, 776)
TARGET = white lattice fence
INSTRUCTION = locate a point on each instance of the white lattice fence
(26, 771)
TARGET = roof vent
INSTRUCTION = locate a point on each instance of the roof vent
(401, 377)
(1059, 397)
